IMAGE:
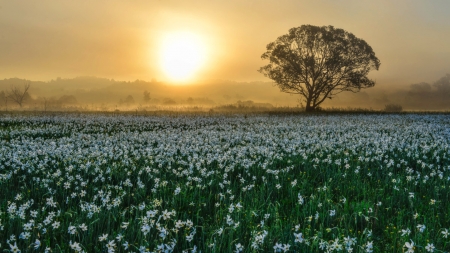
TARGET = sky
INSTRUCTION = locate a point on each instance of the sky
(123, 40)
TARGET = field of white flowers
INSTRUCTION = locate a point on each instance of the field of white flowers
(330, 183)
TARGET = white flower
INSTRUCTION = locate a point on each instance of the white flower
(286, 247)
(406, 232)
(75, 246)
(124, 225)
(300, 199)
(231, 208)
(189, 223)
(298, 237)
(37, 244)
(145, 229)
(430, 247)
(56, 224)
(239, 248)
(278, 247)
(335, 245)
(24, 235)
(229, 220)
(259, 239)
(421, 228)
(369, 247)
(323, 244)
(179, 224)
(163, 233)
(72, 230)
(332, 212)
(125, 245)
(409, 246)
(294, 183)
(103, 237)
(166, 214)
(189, 237)
(445, 233)
(349, 241)
(83, 227)
(111, 244)
(14, 248)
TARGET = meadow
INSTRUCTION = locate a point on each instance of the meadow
(235, 183)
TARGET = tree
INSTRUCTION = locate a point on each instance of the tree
(319, 62)
(4, 99)
(18, 95)
(146, 96)
(443, 88)
(128, 100)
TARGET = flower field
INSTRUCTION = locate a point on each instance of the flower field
(323, 183)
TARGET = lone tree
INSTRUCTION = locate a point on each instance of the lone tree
(146, 96)
(19, 95)
(4, 99)
(319, 62)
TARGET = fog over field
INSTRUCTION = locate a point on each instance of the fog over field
(93, 93)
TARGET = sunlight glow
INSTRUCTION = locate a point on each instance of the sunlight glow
(182, 55)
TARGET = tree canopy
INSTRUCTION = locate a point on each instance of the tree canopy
(319, 62)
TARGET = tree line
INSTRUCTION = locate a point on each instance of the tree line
(18, 95)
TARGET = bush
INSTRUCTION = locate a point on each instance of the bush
(393, 108)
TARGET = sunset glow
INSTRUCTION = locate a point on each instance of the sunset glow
(182, 55)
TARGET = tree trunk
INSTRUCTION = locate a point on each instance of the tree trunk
(309, 108)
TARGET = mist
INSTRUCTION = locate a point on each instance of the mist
(103, 94)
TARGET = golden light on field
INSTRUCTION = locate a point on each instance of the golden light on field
(182, 55)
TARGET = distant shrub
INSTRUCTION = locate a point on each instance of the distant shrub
(393, 108)
(169, 101)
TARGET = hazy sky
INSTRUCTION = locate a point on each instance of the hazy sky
(45, 39)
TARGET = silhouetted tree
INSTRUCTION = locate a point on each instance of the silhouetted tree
(19, 95)
(168, 101)
(4, 100)
(443, 87)
(319, 62)
(146, 96)
(127, 101)
(45, 99)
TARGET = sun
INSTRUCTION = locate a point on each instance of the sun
(182, 55)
